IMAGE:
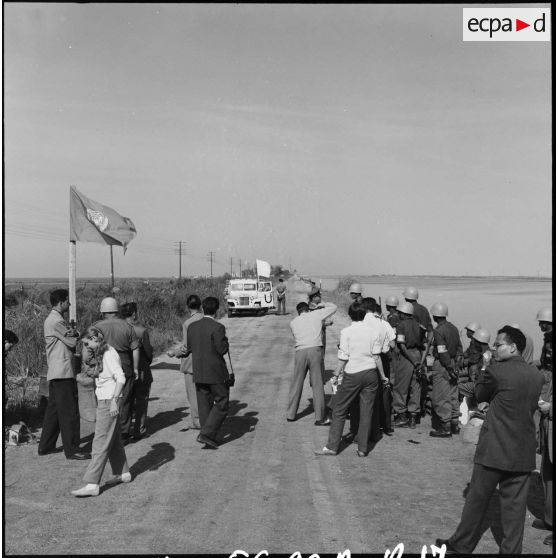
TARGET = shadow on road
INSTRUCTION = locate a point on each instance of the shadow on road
(158, 455)
(234, 426)
(165, 365)
(166, 418)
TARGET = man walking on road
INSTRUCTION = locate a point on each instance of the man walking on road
(208, 343)
(62, 414)
(307, 332)
(505, 454)
(194, 305)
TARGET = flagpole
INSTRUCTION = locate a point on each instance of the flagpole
(111, 268)
(72, 274)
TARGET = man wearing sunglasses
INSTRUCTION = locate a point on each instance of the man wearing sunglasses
(505, 454)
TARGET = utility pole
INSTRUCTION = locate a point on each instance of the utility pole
(180, 249)
(239, 267)
(231, 266)
(210, 256)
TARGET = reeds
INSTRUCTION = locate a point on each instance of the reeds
(161, 308)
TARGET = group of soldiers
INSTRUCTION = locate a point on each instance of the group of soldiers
(427, 365)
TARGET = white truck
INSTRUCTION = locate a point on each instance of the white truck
(249, 295)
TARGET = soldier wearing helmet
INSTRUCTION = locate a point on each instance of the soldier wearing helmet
(479, 345)
(392, 302)
(448, 355)
(546, 324)
(407, 363)
(121, 335)
(420, 313)
(422, 316)
(355, 291)
(469, 353)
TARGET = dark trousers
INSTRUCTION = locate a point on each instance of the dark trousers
(141, 391)
(386, 399)
(405, 385)
(213, 406)
(61, 417)
(281, 305)
(364, 386)
(547, 473)
(514, 489)
(127, 398)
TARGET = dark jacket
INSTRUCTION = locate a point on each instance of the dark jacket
(208, 343)
(507, 438)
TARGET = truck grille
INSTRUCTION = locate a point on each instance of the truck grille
(244, 300)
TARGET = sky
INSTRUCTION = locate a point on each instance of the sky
(330, 139)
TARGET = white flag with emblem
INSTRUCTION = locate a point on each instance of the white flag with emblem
(263, 268)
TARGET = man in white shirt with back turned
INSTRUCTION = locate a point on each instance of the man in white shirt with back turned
(307, 332)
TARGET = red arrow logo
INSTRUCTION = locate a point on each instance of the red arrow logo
(519, 25)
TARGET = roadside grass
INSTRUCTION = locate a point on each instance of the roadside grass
(161, 307)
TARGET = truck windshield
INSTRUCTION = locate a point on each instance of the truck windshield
(243, 287)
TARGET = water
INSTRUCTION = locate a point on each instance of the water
(492, 302)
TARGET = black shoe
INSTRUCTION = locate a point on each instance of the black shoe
(362, 453)
(401, 421)
(290, 420)
(549, 540)
(412, 421)
(455, 428)
(203, 439)
(46, 452)
(80, 456)
(441, 433)
(542, 525)
(323, 422)
(449, 548)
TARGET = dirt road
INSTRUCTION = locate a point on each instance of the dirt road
(262, 489)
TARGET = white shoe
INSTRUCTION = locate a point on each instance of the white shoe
(89, 490)
(117, 479)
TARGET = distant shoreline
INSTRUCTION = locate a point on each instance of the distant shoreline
(370, 279)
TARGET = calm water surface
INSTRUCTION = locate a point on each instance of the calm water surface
(493, 303)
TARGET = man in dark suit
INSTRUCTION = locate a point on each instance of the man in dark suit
(208, 343)
(505, 453)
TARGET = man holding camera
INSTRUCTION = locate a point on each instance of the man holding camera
(208, 343)
(62, 414)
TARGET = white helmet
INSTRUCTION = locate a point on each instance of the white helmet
(473, 326)
(411, 293)
(392, 300)
(544, 315)
(109, 305)
(439, 310)
(406, 308)
(355, 288)
(482, 335)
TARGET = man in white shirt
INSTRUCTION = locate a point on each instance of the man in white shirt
(386, 342)
(307, 332)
